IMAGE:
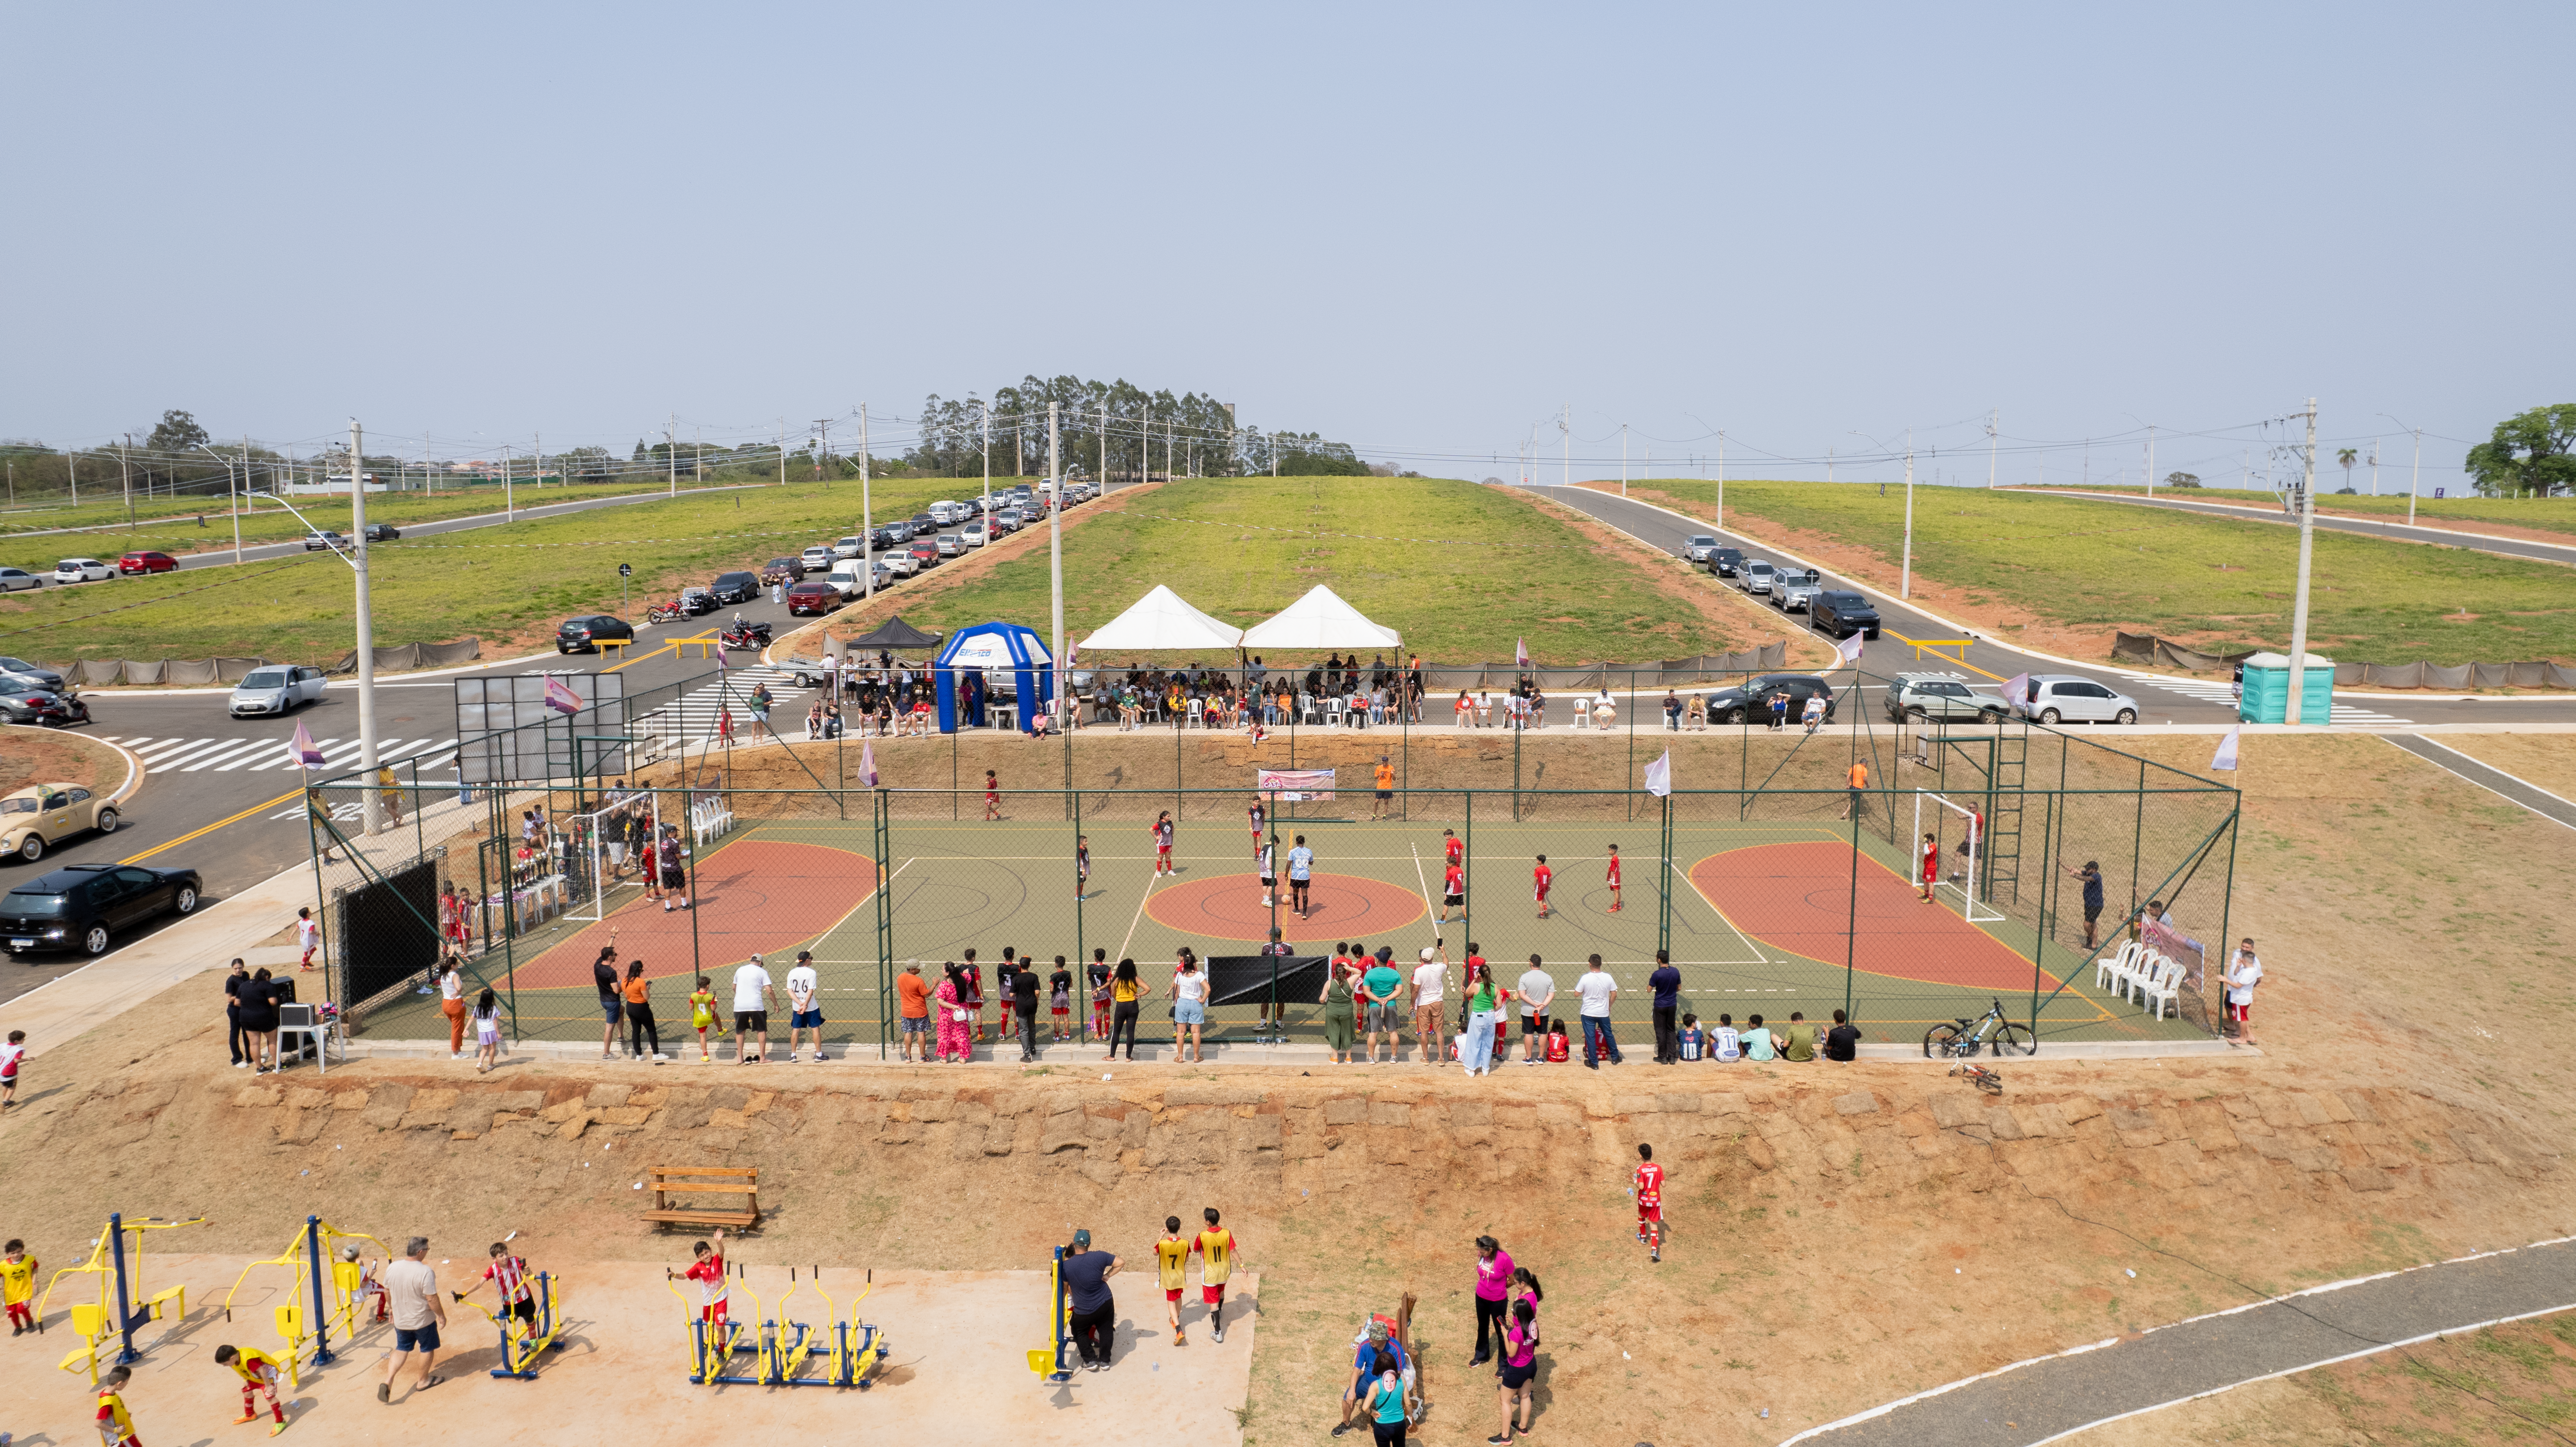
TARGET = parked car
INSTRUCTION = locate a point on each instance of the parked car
(40, 816)
(44, 676)
(902, 564)
(42, 708)
(1841, 614)
(734, 588)
(1795, 592)
(382, 532)
(83, 906)
(782, 570)
(975, 535)
(946, 513)
(1699, 547)
(1928, 697)
(2066, 698)
(928, 554)
(1013, 518)
(1724, 562)
(582, 634)
(814, 597)
(1750, 701)
(82, 570)
(923, 524)
(275, 689)
(694, 601)
(133, 563)
(315, 541)
(902, 530)
(1754, 577)
(13, 580)
(845, 548)
(951, 545)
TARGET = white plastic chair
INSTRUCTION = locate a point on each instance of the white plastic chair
(1198, 713)
(2162, 992)
(2113, 969)
(1336, 711)
(1583, 713)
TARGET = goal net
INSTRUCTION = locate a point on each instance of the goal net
(1959, 830)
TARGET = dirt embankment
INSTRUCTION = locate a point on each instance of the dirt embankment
(1733, 615)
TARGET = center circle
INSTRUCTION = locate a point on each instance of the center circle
(1229, 907)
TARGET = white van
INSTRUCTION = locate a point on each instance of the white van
(845, 578)
(948, 514)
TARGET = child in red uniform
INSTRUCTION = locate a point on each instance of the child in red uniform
(1259, 816)
(1452, 849)
(1163, 843)
(1171, 1259)
(11, 1054)
(1614, 879)
(708, 1270)
(1453, 891)
(992, 796)
(1559, 1049)
(1931, 865)
(1540, 878)
(258, 1372)
(516, 1286)
(1650, 1202)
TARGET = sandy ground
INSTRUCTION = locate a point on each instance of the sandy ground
(952, 1373)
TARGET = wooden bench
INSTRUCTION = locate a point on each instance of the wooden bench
(686, 1182)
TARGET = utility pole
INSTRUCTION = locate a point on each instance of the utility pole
(1721, 479)
(1905, 567)
(71, 469)
(509, 497)
(125, 471)
(1104, 461)
(698, 455)
(782, 452)
(2307, 532)
(671, 443)
(867, 519)
(1565, 448)
(2411, 477)
(984, 419)
(1055, 560)
(375, 808)
(823, 449)
(1829, 463)
(1991, 417)
(2374, 466)
(242, 501)
(539, 476)
(2151, 459)
(1623, 459)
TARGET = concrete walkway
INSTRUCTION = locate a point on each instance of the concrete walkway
(2053, 1397)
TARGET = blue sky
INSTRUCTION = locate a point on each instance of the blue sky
(1421, 230)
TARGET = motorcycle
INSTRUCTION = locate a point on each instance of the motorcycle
(666, 612)
(745, 635)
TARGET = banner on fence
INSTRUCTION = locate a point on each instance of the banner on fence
(1295, 786)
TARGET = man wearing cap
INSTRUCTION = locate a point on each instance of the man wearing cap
(804, 1006)
(1430, 986)
(1086, 1282)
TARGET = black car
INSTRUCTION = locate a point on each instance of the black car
(39, 673)
(1724, 561)
(1750, 702)
(734, 588)
(1842, 615)
(80, 906)
(382, 532)
(42, 707)
(582, 635)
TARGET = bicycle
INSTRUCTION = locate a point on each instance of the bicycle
(1962, 1039)
(1989, 1081)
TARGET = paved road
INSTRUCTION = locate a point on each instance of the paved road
(2486, 776)
(2163, 698)
(2047, 1399)
(2509, 547)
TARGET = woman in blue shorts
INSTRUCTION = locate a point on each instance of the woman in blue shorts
(1189, 1008)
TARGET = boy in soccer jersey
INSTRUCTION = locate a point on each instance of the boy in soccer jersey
(1260, 817)
(115, 1424)
(708, 1271)
(516, 1286)
(1217, 1249)
(1266, 857)
(12, 1055)
(1081, 865)
(18, 1287)
(1540, 878)
(1171, 1259)
(1453, 892)
(1693, 1040)
(258, 1373)
(1614, 879)
(1648, 1185)
(1931, 853)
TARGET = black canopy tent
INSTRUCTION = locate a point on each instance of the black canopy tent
(895, 633)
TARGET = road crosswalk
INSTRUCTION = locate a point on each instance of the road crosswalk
(692, 716)
(188, 756)
(2211, 691)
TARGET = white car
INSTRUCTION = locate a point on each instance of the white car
(1754, 576)
(847, 548)
(815, 559)
(975, 534)
(946, 513)
(902, 565)
(82, 570)
(275, 689)
(2065, 698)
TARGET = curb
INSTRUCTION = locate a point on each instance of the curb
(2569, 546)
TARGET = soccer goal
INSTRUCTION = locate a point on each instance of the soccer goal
(594, 853)
(1961, 832)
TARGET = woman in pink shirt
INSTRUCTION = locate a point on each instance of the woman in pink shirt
(1493, 1289)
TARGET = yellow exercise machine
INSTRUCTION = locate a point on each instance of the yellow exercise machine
(521, 1349)
(783, 1353)
(120, 1307)
(324, 1291)
(1055, 1364)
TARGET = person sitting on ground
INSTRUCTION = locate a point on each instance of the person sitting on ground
(1758, 1044)
(1799, 1044)
(1725, 1046)
(1843, 1041)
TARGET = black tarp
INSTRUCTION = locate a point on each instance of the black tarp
(895, 633)
(1246, 979)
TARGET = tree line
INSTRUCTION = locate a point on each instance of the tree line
(1112, 429)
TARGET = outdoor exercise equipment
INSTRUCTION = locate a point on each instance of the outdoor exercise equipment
(127, 1307)
(1055, 1364)
(323, 1291)
(522, 1349)
(782, 1351)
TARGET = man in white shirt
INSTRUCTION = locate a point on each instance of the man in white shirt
(1538, 991)
(1484, 708)
(805, 1007)
(413, 1300)
(1430, 984)
(1598, 991)
(751, 995)
(2244, 972)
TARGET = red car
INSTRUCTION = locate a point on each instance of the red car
(812, 598)
(926, 554)
(133, 563)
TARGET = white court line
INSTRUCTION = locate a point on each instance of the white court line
(1423, 880)
(1139, 920)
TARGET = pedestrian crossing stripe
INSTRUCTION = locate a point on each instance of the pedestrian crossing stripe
(186, 756)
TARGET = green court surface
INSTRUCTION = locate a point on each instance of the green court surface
(1766, 917)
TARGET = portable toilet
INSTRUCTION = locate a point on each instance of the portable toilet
(2267, 690)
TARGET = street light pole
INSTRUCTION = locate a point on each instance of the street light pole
(2307, 532)
(1055, 560)
(366, 631)
(231, 493)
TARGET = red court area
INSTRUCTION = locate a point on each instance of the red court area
(1229, 907)
(1799, 898)
(759, 896)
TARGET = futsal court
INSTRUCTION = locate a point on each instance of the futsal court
(1767, 917)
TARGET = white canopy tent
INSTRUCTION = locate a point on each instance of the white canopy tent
(1162, 622)
(1320, 620)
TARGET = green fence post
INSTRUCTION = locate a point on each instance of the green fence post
(1851, 917)
(1664, 878)
(1467, 847)
(1073, 807)
(2137, 835)
(2039, 927)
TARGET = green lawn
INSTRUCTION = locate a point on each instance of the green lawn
(2548, 514)
(511, 582)
(2184, 576)
(1458, 569)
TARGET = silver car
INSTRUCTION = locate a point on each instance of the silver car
(1698, 548)
(1755, 576)
(2066, 698)
(1792, 591)
(14, 579)
(275, 689)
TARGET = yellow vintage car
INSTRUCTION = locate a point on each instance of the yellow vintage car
(40, 815)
